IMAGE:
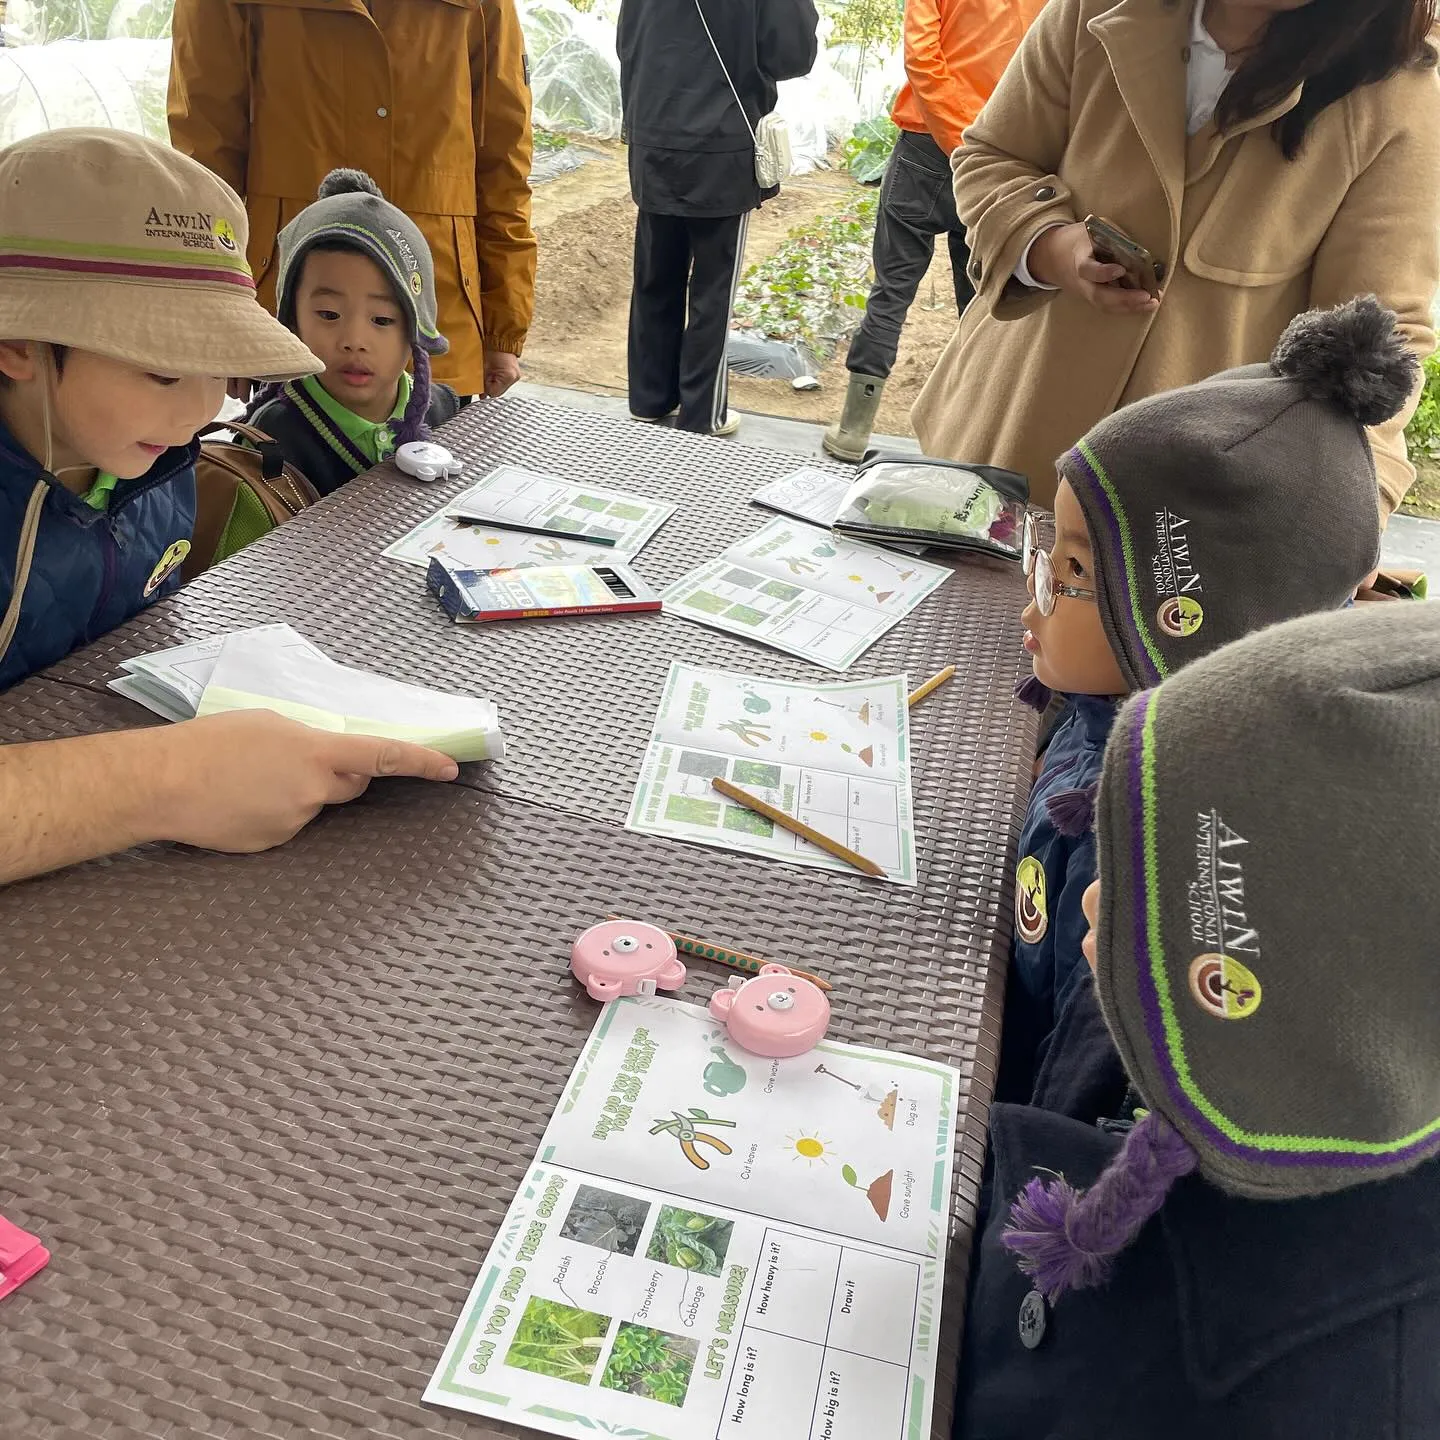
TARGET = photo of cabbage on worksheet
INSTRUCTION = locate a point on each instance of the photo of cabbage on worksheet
(710, 1244)
(833, 754)
(806, 591)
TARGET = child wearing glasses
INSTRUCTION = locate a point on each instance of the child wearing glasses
(1182, 522)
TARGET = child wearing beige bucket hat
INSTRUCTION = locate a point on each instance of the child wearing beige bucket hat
(125, 301)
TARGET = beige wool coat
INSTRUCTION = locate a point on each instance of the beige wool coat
(1090, 118)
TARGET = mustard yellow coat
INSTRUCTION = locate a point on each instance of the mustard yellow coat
(1090, 117)
(429, 97)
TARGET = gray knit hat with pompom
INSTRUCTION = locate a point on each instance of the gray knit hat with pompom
(1243, 500)
(350, 211)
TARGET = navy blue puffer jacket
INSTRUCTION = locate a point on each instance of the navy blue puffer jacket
(92, 569)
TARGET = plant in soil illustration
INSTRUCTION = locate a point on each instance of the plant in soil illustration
(651, 1364)
(558, 1341)
(865, 756)
(690, 1240)
(877, 1192)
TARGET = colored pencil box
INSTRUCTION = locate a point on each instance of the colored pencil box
(538, 592)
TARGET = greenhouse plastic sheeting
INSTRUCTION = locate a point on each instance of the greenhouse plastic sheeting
(42, 22)
(120, 84)
(574, 70)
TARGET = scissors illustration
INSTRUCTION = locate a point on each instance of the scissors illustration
(683, 1128)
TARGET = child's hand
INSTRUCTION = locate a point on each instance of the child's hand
(502, 370)
(1090, 905)
(248, 780)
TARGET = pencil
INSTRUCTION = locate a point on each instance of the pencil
(932, 685)
(796, 827)
(707, 950)
(462, 519)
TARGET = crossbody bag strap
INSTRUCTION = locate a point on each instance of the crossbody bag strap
(726, 73)
(24, 555)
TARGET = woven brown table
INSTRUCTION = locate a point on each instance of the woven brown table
(268, 1111)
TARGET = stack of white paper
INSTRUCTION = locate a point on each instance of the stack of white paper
(273, 667)
(171, 682)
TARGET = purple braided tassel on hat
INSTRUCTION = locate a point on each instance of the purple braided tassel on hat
(1066, 1239)
(412, 424)
(1072, 812)
(1032, 693)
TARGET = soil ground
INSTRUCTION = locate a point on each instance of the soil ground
(585, 222)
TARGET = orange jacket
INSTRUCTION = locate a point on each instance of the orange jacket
(429, 97)
(955, 52)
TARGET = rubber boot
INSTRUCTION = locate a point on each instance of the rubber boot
(849, 437)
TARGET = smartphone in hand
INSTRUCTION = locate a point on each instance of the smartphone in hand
(1112, 246)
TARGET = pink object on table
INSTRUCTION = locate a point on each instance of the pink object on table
(774, 1013)
(21, 1256)
(626, 957)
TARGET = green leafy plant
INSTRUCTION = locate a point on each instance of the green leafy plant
(1423, 431)
(558, 1341)
(813, 288)
(547, 142)
(872, 26)
(690, 1240)
(868, 150)
(650, 1363)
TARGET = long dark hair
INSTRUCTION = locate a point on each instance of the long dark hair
(1331, 47)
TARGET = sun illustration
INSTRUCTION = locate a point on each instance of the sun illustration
(818, 735)
(808, 1148)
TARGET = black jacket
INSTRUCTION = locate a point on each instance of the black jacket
(690, 150)
(1241, 1319)
(305, 448)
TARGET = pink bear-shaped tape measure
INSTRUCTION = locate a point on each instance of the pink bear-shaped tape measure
(626, 957)
(775, 1013)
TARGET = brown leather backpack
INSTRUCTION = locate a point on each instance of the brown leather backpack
(241, 493)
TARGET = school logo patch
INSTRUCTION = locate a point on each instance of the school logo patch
(224, 232)
(417, 283)
(1180, 616)
(1223, 987)
(170, 562)
(1032, 919)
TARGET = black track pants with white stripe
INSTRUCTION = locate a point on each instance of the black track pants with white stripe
(686, 271)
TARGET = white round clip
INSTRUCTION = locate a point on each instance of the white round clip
(427, 461)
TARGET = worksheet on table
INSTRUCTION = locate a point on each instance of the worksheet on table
(806, 591)
(710, 1244)
(833, 754)
(524, 497)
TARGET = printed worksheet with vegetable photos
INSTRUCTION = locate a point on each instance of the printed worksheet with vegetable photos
(833, 754)
(806, 591)
(525, 497)
(711, 1244)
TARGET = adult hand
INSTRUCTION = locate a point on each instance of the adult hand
(1063, 257)
(502, 370)
(1090, 905)
(251, 779)
(240, 390)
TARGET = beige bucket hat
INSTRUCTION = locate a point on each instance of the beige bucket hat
(116, 244)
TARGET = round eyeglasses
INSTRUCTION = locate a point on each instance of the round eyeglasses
(1040, 569)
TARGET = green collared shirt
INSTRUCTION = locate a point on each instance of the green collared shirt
(375, 437)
